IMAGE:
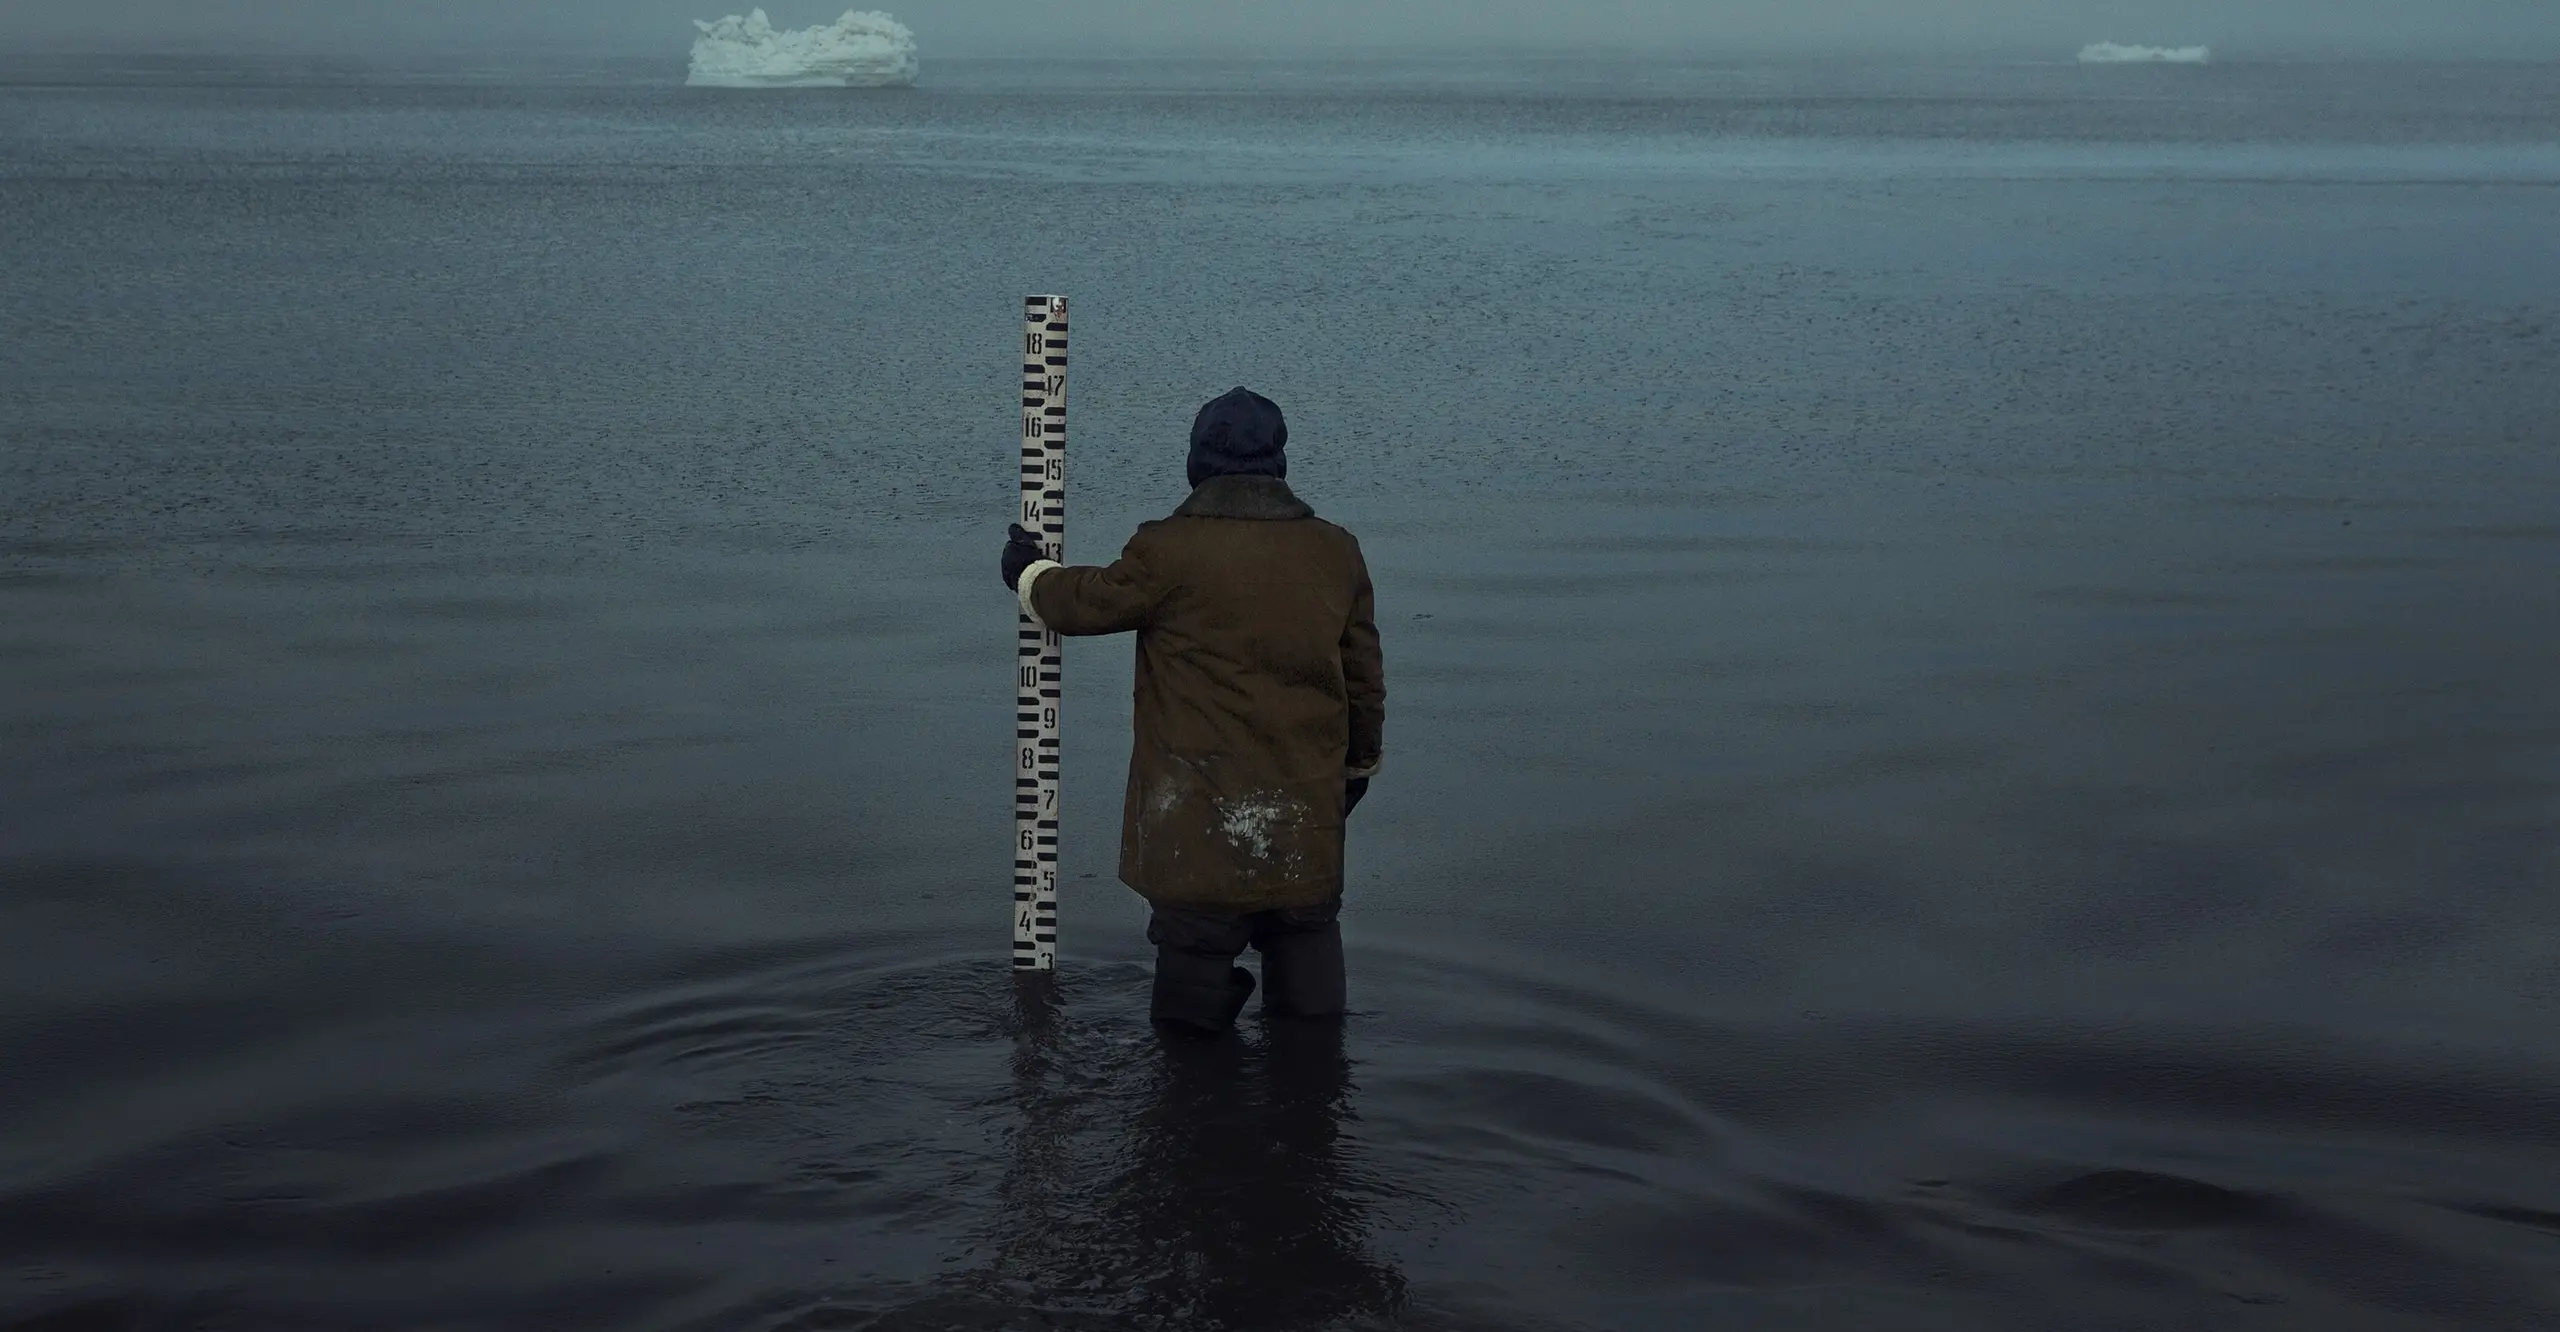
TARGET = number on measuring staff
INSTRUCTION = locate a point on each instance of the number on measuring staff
(1043, 511)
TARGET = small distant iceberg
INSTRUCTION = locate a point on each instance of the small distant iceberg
(864, 49)
(2109, 53)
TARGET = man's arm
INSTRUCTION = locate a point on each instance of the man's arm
(1094, 599)
(1364, 677)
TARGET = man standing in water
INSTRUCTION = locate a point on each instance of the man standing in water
(1261, 697)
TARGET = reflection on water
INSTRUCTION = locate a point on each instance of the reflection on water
(1225, 1204)
(1049, 1161)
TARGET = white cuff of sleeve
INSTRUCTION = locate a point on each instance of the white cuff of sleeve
(1371, 771)
(1022, 587)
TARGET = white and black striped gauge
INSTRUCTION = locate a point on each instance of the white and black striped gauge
(1044, 511)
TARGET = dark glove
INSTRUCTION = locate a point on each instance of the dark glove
(1020, 549)
(1352, 789)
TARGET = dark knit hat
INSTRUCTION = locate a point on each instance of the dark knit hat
(1238, 433)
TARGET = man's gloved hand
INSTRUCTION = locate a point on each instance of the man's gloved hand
(1352, 789)
(1020, 549)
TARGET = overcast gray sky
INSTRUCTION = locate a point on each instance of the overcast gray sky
(1002, 27)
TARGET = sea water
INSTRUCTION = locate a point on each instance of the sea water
(1971, 732)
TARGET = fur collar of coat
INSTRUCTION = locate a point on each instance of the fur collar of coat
(1259, 498)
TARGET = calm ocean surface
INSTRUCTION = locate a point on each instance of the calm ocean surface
(1974, 717)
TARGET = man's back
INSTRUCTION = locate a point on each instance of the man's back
(1258, 686)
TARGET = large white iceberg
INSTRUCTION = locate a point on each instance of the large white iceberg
(2109, 53)
(864, 49)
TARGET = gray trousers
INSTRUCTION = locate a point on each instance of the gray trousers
(1200, 988)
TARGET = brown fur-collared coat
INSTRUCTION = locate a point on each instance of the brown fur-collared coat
(1260, 689)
